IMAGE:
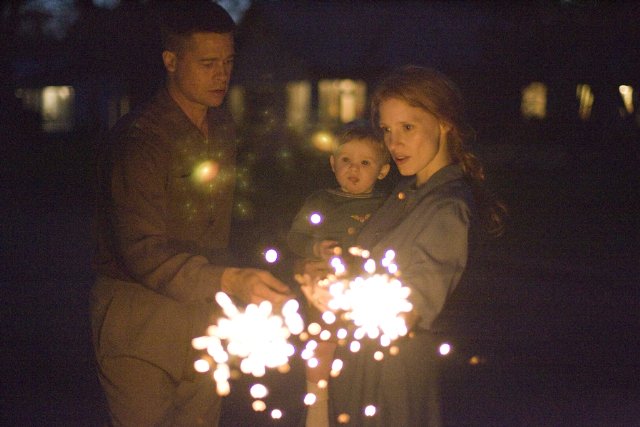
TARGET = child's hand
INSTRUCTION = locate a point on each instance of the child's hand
(316, 294)
(326, 249)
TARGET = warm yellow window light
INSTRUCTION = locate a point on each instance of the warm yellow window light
(534, 101)
(627, 97)
(341, 101)
(57, 108)
(298, 104)
(585, 100)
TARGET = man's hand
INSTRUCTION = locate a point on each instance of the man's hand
(252, 286)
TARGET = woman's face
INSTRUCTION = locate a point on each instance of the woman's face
(416, 139)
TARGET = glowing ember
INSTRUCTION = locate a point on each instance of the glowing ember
(258, 391)
(271, 255)
(259, 406)
(310, 399)
(444, 349)
(315, 218)
(344, 418)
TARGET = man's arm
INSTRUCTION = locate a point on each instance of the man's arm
(140, 225)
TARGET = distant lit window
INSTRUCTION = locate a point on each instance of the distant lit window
(585, 100)
(237, 103)
(54, 105)
(534, 101)
(627, 97)
(341, 100)
(57, 108)
(298, 104)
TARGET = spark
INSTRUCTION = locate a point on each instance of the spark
(344, 418)
(375, 304)
(271, 255)
(258, 391)
(259, 406)
(310, 399)
(444, 349)
(370, 410)
(315, 218)
(253, 339)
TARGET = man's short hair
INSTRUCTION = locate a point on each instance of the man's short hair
(179, 19)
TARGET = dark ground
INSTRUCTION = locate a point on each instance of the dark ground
(555, 317)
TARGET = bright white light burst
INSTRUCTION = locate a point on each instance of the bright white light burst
(374, 303)
(254, 339)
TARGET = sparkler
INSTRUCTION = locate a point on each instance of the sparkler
(253, 340)
(374, 302)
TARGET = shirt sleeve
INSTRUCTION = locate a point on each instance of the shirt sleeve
(438, 259)
(139, 220)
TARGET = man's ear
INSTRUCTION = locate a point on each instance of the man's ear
(332, 161)
(384, 170)
(170, 60)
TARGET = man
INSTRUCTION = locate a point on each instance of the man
(165, 188)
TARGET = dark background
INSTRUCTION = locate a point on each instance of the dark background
(553, 316)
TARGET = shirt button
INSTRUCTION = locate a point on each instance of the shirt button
(401, 195)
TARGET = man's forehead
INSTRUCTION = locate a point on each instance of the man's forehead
(209, 41)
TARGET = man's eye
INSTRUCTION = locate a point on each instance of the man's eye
(384, 129)
(408, 127)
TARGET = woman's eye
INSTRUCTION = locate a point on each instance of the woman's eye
(366, 162)
(408, 127)
(384, 130)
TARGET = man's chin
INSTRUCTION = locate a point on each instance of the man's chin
(215, 100)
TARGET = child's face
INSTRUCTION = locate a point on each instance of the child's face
(357, 166)
(416, 139)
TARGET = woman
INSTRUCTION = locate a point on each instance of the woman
(429, 221)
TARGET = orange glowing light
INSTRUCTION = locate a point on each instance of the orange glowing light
(206, 171)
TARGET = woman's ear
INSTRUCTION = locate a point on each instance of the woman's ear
(445, 127)
(332, 161)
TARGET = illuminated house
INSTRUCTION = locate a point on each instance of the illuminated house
(308, 65)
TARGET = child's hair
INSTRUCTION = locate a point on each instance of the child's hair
(432, 91)
(368, 133)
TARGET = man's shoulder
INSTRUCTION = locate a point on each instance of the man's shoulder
(144, 117)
